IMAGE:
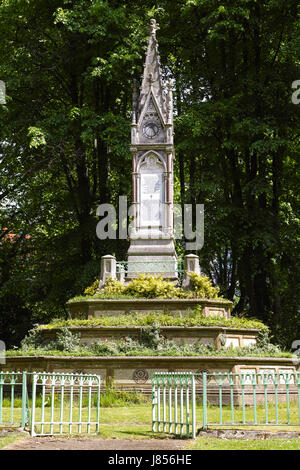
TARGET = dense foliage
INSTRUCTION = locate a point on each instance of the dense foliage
(146, 286)
(65, 133)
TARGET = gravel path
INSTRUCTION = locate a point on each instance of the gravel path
(92, 443)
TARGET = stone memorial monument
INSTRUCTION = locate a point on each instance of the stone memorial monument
(152, 248)
(152, 251)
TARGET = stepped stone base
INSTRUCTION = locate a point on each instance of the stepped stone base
(93, 308)
(214, 336)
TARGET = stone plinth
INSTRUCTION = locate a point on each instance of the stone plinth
(108, 269)
(92, 308)
(208, 335)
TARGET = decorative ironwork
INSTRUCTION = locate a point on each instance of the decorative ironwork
(174, 403)
(140, 376)
(199, 375)
(233, 398)
(78, 371)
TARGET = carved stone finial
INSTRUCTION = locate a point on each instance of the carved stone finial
(150, 79)
(170, 83)
(153, 26)
(135, 94)
(169, 101)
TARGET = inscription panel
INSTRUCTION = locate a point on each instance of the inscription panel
(151, 199)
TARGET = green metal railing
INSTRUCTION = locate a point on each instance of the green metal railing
(224, 399)
(14, 403)
(157, 267)
(251, 399)
(60, 402)
(67, 403)
(174, 403)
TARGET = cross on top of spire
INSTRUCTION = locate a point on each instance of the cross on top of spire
(153, 26)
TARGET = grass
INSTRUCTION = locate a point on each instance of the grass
(134, 431)
(131, 319)
(79, 298)
(141, 414)
(133, 421)
(211, 443)
(9, 438)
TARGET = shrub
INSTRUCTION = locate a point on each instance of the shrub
(104, 348)
(150, 336)
(150, 287)
(65, 341)
(113, 397)
(203, 287)
(92, 290)
(113, 287)
(153, 287)
(33, 340)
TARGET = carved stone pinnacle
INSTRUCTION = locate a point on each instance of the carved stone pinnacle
(150, 78)
(153, 26)
(170, 83)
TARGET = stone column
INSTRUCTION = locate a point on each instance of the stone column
(108, 269)
(170, 191)
(134, 190)
(191, 265)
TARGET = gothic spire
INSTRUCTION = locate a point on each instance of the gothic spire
(152, 76)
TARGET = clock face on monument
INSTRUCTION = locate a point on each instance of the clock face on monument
(151, 129)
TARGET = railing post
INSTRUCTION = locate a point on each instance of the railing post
(193, 407)
(170, 402)
(204, 399)
(154, 404)
(24, 400)
(98, 404)
(187, 407)
(33, 403)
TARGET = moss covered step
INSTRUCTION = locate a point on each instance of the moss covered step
(93, 308)
(213, 335)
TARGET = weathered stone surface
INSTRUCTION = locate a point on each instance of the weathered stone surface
(101, 307)
(191, 264)
(152, 147)
(108, 269)
(206, 335)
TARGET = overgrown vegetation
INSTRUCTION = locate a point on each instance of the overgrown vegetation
(140, 319)
(65, 341)
(202, 287)
(150, 343)
(113, 397)
(146, 286)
